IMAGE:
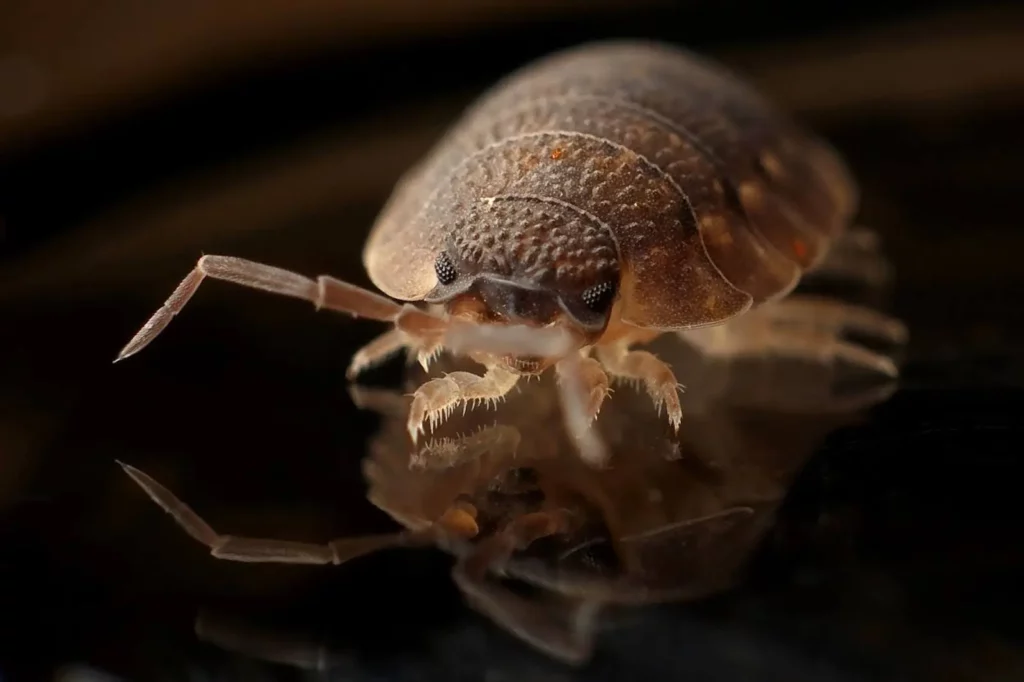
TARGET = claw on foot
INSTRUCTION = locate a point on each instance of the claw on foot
(656, 377)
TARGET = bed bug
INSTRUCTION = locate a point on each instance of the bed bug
(588, 203)
(676, 519)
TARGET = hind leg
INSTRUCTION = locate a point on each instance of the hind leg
(855, 257)
(804, 327)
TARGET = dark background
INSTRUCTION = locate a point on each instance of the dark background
(134, 136)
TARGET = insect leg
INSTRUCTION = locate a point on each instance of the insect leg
(656, 376)
(493, 552)
(437, 398)
(855, 257)
(834, 317)
(497, 443)
(377, 351)
(804, 328)
(576, 394)
(258, 550)
(596, 380)
(268, 644)
(323, 292)
(384, 402)
(561, 627)
(594, 384)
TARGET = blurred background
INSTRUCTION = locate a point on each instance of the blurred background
(136, 135)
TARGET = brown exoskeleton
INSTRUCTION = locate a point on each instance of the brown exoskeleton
(590, 202)
(674, 518)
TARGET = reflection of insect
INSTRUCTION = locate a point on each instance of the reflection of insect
(675, 519)
(590, 202)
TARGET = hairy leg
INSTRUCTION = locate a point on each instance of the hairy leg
(497, 443)
(435, 400)
(596, 382)
(642, 366)
(577, 388)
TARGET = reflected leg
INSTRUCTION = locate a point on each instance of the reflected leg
(267, 645)
(498, 443)
(561, 627)
(259, 550)
(493, 552)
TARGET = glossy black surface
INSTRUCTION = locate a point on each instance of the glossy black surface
(896, 554)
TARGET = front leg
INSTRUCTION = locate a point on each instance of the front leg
(656, 376)
(324, 293)
(435, 400)
(377, 351)
(422, 331)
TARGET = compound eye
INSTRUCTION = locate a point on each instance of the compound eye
(599, 297)
(445, 269)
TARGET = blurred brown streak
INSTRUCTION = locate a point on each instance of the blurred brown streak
(936, 65)
(73, 59)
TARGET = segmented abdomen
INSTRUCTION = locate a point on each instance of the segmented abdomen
(673, 154)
